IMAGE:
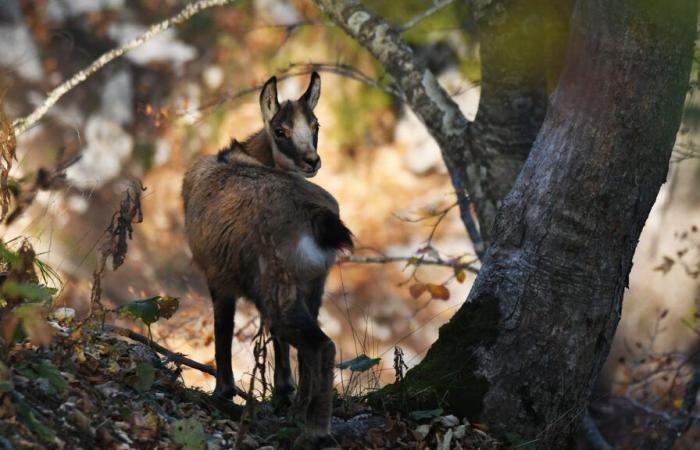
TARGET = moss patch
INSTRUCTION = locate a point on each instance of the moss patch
(446, 377)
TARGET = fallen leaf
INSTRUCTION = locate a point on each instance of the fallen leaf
(189, 433)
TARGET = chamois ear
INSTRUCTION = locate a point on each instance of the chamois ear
(269, 105)
(313, 92)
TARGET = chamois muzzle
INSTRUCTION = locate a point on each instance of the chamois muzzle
(311, 165)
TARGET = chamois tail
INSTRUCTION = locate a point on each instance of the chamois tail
(329, 231)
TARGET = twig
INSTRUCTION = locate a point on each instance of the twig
(344, 70)
(299, 69)
(437, 6)
(455, 264)
(172, 356)
(685, 417)
(592, 432)
(21, 125)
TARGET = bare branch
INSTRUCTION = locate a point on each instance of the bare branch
(437, 6)
(177, 358)
(592, 432)
(344, 70)
(298, 69)
(21, 125)
(416, 260)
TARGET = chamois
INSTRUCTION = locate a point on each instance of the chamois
(259, 230)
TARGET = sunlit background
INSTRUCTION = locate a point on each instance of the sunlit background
(148, 114)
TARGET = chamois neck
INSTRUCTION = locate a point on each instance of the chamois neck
(258, 147)
(255, 149)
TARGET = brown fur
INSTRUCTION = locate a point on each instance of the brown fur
(270, 236)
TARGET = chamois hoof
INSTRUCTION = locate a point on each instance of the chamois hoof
(282, 400)
(315, 442)
(225, 393)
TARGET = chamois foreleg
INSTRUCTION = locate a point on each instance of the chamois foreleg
(224, 310)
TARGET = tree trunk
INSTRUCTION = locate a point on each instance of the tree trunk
(521, 46)
(520, 42)
(540, 318)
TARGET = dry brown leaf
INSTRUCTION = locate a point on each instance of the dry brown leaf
(417, 289)
(665, 266)
(460, 274)
(438, 291)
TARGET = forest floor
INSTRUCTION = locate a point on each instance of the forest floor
(95, 390)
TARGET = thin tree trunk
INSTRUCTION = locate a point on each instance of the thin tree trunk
(542, 313)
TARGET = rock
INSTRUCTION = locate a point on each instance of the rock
(118, 98)
(213, 76)
(64, 315)
(108, 146)
(18, 52)
(277, 12)
(162, 47)
(60, 10)
(423, 430)
(446, 441)
(448, 421)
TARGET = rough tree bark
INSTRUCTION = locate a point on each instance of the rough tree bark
(518, 54)
(541, 316)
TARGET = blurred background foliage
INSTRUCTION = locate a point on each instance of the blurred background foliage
(190, 91)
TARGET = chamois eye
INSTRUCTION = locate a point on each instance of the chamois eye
(279, 132)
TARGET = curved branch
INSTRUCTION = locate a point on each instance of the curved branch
(177, 358)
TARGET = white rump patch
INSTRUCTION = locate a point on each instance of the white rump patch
(309, 251)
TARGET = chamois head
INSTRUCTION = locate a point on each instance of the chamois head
(292, 128)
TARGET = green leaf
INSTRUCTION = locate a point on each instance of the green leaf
(145, 376)
(57, 384)
(146, 310)
(188, 433)
(359, 364)
(6, 386)
(8, 256)
(425, 414)
(29, 291)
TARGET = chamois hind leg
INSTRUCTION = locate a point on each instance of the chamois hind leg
(321, 400)
(283, 392)
(224, 310)
(316, 357)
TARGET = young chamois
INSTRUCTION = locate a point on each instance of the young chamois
(259, 230)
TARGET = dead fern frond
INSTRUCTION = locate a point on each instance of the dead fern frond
(117, 235)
